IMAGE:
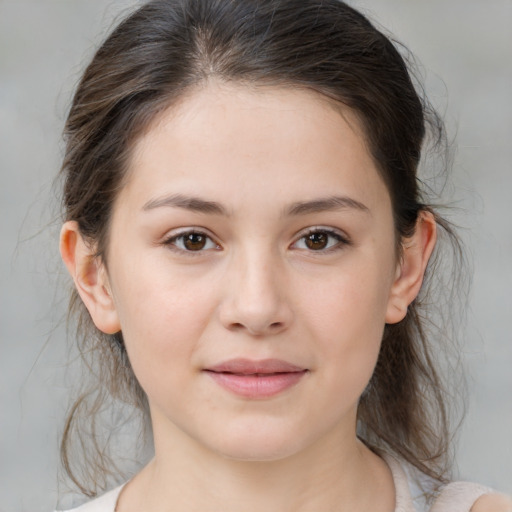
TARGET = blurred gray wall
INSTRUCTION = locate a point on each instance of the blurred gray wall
(465, 47)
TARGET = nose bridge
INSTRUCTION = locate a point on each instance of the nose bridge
(256, 300)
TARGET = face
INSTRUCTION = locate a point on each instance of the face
(251, 263)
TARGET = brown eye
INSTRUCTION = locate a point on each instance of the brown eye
(191, 241)
(194, 241)
(321, 240)
(316, 241)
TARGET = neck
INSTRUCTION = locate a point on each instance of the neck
(338, 473)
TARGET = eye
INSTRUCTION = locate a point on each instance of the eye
(192, 241)
(319, 239)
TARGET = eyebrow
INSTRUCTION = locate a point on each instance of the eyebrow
(199, 205)
(325, 204)
(195, 204)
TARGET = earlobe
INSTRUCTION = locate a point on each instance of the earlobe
(90, 278)
(416, 252)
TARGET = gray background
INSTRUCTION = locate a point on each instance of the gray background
(465, 47)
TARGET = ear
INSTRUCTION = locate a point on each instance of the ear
(90, 277)
(416, 252)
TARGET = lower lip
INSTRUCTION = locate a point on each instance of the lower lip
(257, 386)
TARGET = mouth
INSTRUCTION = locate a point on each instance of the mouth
(256, 379)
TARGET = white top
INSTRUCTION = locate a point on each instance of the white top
(454, 497)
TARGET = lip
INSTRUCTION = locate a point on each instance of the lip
(256, 379)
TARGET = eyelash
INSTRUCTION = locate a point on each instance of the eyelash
(341, 241)
(171, 242)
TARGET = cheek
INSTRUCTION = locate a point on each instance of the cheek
(347, 319)
(350, 303)
(162, 318)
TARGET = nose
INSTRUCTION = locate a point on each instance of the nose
(255, 300)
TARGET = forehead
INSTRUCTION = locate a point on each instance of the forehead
(235, 138)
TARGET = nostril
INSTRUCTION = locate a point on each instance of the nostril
(273, 327)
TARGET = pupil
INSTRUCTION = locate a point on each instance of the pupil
(316, 241)
(195, 242)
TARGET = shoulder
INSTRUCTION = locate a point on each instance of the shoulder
(470, 497)
(493, 503)
(413, 488)
(105, 503)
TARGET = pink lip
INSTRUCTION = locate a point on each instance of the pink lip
(256, 379)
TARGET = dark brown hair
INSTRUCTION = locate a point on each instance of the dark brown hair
(159, 53)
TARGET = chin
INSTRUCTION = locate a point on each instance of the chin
(258, 443)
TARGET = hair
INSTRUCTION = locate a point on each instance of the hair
(161, 52)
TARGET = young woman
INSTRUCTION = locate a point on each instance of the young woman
(248, 242)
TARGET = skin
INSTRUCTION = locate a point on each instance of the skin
(256, 290)
(493, 503)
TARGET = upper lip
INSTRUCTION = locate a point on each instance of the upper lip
(250, 366)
